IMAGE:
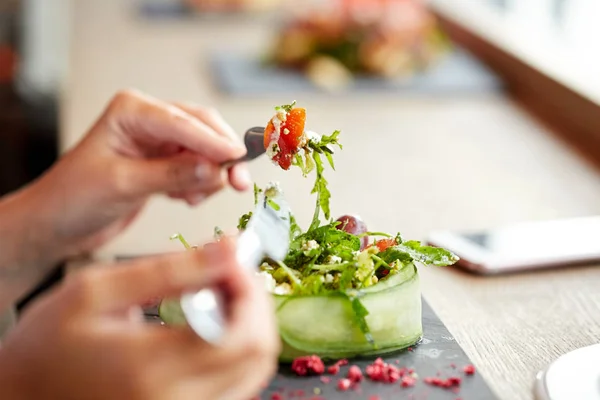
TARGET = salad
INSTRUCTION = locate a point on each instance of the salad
(334, 42)
(342, 290)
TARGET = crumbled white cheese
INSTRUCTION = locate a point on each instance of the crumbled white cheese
(328, 278)
(283, 288)
(333, 260)
(313, 136)
(281, 115)
(273, 149)
(277, 120)
(272, 190)
(309, 245)
(270, 283)
(286, 131)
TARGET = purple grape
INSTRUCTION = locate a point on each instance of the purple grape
(354, 225)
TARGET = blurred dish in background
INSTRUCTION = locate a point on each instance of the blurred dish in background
(232, 5)
(334, 41)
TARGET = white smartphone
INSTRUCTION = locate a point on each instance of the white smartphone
(524, 246)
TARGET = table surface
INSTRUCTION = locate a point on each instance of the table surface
(409, 163)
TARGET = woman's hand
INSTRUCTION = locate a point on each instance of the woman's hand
(140, 146)
(80, 342)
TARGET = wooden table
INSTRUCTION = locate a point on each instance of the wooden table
(409, 163)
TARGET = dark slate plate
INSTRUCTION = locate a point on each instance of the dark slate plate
(436, 353)
(459, 72)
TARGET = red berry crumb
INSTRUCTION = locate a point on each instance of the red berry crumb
(410, 349)
(333, 370)
(455, 380)
(355, 374)
(276, 396)
(308, 365)
(381, 371)
(452, 382)
(344, 384)
(300, 393)
(469, 369)
(374, 397)
(408, 381)
(325, 379)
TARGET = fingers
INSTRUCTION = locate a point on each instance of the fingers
(239, 176)
(180, 174)
(121, 286)
(139, 115)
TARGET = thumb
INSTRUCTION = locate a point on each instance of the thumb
(120, 286)
(180, 173)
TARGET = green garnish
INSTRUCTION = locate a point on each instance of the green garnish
(287, 107)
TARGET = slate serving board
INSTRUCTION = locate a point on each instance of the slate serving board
(436, 352)
(458, 73)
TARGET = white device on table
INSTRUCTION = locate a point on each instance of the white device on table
(524, 246)
(573, 376)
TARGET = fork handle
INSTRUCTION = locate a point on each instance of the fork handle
(231, 163)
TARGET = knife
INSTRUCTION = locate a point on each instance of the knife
(266, 235)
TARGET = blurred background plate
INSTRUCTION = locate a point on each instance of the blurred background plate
(459, 72)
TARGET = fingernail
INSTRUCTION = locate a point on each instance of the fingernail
(203, 171)
(244, 177)
(195, 200)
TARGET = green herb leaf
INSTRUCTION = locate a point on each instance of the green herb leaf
(320, 187)
(273, 205)
(257, 191)
(243, 222)
(428, 255)
(295, 229)
(360, 314)
(179, 236)
(286, 107)
(218, 233)
(395, 253)
(299, 162)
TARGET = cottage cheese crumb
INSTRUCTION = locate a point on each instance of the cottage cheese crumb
(328, 278)
(309, 245)
(283, 288)
(270, 283)
(333, 260)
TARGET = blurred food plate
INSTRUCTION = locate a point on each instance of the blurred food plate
(159, 9)
(247, 74)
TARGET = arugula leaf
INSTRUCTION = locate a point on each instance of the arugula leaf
(295, 229)
(273, 205)
(329, 237)
(320, 187)
(413, 250)
(257, 191)
(286, 107)
(310, 164)
(395, 253)
(244, 219)
(360, 314)
(346, 278)
(179, 236)
(428, 255)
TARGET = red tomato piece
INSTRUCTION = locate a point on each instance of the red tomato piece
(290, 135)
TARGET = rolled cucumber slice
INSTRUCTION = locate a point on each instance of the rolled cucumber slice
(325, 325)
